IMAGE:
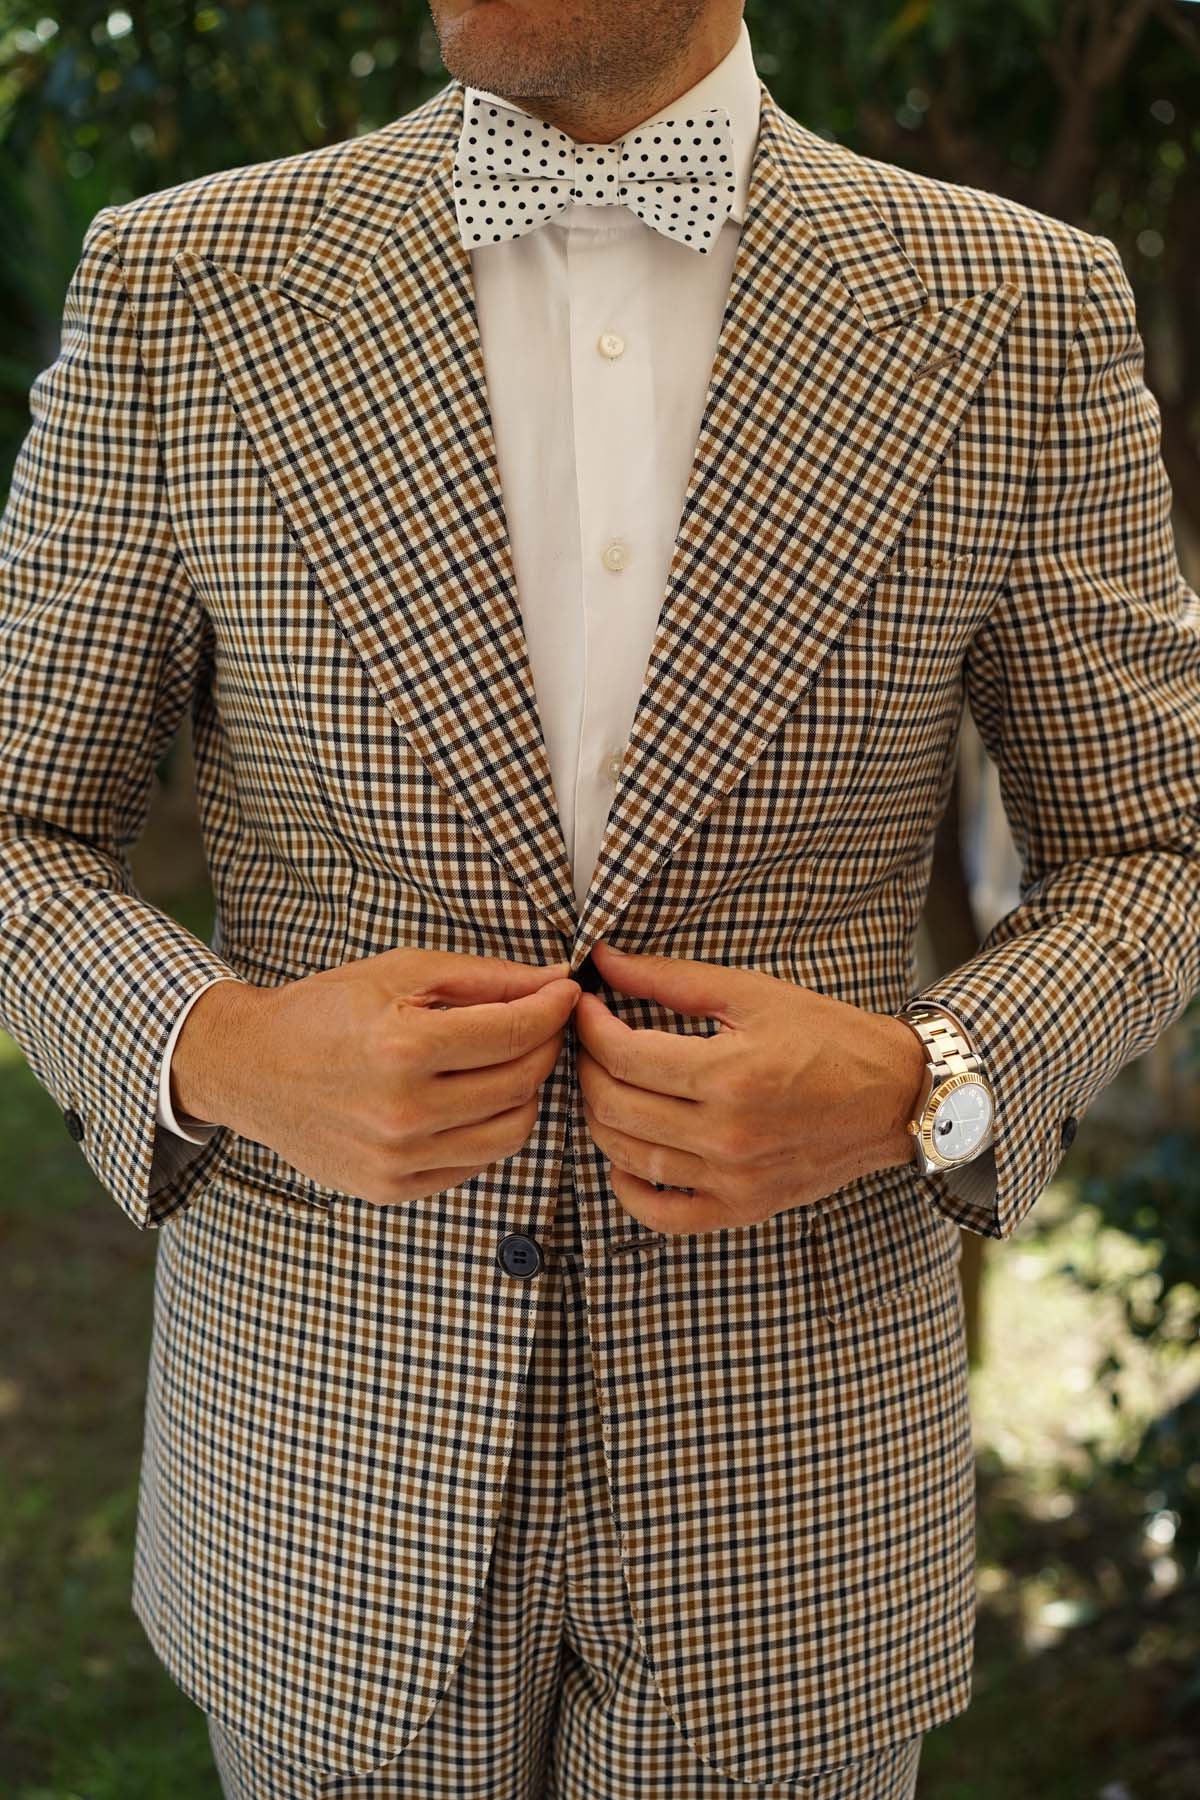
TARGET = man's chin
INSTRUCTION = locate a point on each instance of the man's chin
(464, 44)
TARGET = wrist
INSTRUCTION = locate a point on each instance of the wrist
(209, 1054)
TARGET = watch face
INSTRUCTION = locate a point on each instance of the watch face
(961, 1121)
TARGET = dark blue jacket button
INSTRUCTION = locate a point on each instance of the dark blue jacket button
(1070, 1127)
(519, 1255)
(73, 1123)
(587, 975)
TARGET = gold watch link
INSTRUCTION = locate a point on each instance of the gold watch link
(951, 1063)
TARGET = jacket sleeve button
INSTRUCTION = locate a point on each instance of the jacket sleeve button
(73, 1123)
(1069, 1128)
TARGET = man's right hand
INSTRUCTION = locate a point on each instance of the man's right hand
(358, 1078)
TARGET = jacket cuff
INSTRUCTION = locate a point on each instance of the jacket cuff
(1040, 1087)
(91, 984)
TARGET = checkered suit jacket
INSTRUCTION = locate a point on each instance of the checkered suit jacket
(260, 484)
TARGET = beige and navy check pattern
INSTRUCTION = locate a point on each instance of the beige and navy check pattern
(260, 483)
(552, 1698)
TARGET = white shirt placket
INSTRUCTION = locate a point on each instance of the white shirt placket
(612, 383)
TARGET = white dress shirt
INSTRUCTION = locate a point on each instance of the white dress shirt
(598, 337)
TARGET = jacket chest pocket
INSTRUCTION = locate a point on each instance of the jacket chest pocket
(911, 640)
(916, 628)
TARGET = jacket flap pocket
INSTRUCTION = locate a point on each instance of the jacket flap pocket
(879, 1237)
(258, 1173)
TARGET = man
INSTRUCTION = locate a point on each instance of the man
(551, 1392)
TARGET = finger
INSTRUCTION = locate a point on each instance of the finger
(477, 1036)
(701, 989)
(668, 1062)
(446, 975)
(645, 1113)
(487, 1141)
(652, 1161)
(673, 1214)
(424, 1183)
(467, 1096)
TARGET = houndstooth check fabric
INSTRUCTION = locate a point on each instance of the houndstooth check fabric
(512, 173)
(260, 487)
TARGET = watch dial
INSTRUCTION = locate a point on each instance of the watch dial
(961, 1120)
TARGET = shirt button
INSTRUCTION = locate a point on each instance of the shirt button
(611, 344)
(615, 556)
(614, 765)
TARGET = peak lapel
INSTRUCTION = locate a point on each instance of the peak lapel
(358, 378)
(821, 428)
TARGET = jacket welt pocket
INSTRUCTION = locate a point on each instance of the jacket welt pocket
(955, 563)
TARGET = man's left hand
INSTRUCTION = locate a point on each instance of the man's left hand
(795, 1095)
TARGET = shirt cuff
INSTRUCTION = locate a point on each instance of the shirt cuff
(196, 1131)
(975, 1181)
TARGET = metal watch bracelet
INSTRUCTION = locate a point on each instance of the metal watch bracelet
(948, 1051)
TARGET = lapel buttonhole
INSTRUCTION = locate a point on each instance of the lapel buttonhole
(936, 362)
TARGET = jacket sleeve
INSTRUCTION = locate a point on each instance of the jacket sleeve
(100, 642)
(1085, 685)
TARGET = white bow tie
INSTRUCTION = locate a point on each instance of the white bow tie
(513, 173)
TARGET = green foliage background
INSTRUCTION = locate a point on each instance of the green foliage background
(1090, 111)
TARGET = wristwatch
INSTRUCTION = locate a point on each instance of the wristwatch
(955, 1109)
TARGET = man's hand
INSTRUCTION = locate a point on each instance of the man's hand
(794, 1096)
(392, 1077)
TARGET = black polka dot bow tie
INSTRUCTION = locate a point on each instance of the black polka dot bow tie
(513, 173)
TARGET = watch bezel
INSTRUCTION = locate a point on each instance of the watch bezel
(933, 1106)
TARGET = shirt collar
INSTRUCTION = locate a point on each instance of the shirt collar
(733, 84)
